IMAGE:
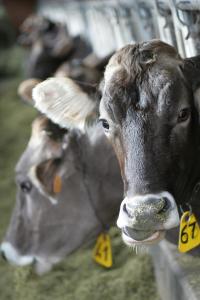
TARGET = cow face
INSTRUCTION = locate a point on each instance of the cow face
(47, 222)
(148, 113)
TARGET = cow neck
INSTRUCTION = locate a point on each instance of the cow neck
(195, 193)
(192, 202)
(191, 198)
(84, 155)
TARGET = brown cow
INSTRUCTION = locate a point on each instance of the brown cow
(150, 112)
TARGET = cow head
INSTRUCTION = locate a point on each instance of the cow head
(150, 114)
(64, 195)
(50, 220)
(49, 44)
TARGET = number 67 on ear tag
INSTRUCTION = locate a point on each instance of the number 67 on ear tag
(189, 234)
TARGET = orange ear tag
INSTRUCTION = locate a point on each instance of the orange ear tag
(189, 234)
(57, 184)
(102, 253)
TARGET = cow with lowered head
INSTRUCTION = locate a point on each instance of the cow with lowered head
(49, 45)
(149, 110)
(69, 190)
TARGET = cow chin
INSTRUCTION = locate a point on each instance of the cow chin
(42, 266)
(152, 239)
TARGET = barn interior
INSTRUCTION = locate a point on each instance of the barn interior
(159, 273)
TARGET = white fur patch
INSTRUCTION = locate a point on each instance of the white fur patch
(14, 257)
(62, 100)
(42, 265)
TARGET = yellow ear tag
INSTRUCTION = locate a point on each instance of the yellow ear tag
(102, 253)
(189, 234)
(57, 184)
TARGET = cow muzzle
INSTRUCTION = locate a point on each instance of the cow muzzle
(12, 256)
(144, 219)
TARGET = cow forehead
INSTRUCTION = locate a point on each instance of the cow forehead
(162, 95)
(33, 22)
(130, 80)
(133, 58)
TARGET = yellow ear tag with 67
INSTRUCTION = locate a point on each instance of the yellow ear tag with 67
(189, 234)
(102, 253)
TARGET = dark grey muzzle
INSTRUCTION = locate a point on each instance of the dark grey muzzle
(141, 217)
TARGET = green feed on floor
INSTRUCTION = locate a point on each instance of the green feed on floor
(77, 277)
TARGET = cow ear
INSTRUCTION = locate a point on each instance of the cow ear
(25, 89)
(47, 178)
(147, 57)
(191, 71)
(64, 102)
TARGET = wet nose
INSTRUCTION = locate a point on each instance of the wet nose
(148, 211)
(151, 205)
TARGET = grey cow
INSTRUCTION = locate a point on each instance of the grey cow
(149, 110)
(47, 223)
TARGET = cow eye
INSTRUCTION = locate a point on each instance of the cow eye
(104, 124)
(184, 114)
(26, 186)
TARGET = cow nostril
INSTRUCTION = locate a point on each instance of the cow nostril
(3, 255)
(166, 205)
(126, 211)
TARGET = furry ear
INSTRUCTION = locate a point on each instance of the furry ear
(25, 89)
(147, 57)
(191, 70)
(64, 102)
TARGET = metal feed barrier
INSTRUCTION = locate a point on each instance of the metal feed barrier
(107, 26)
(110, 24)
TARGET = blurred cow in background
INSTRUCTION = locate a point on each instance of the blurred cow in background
(51, 221)
(49, 44)
(69, 190)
